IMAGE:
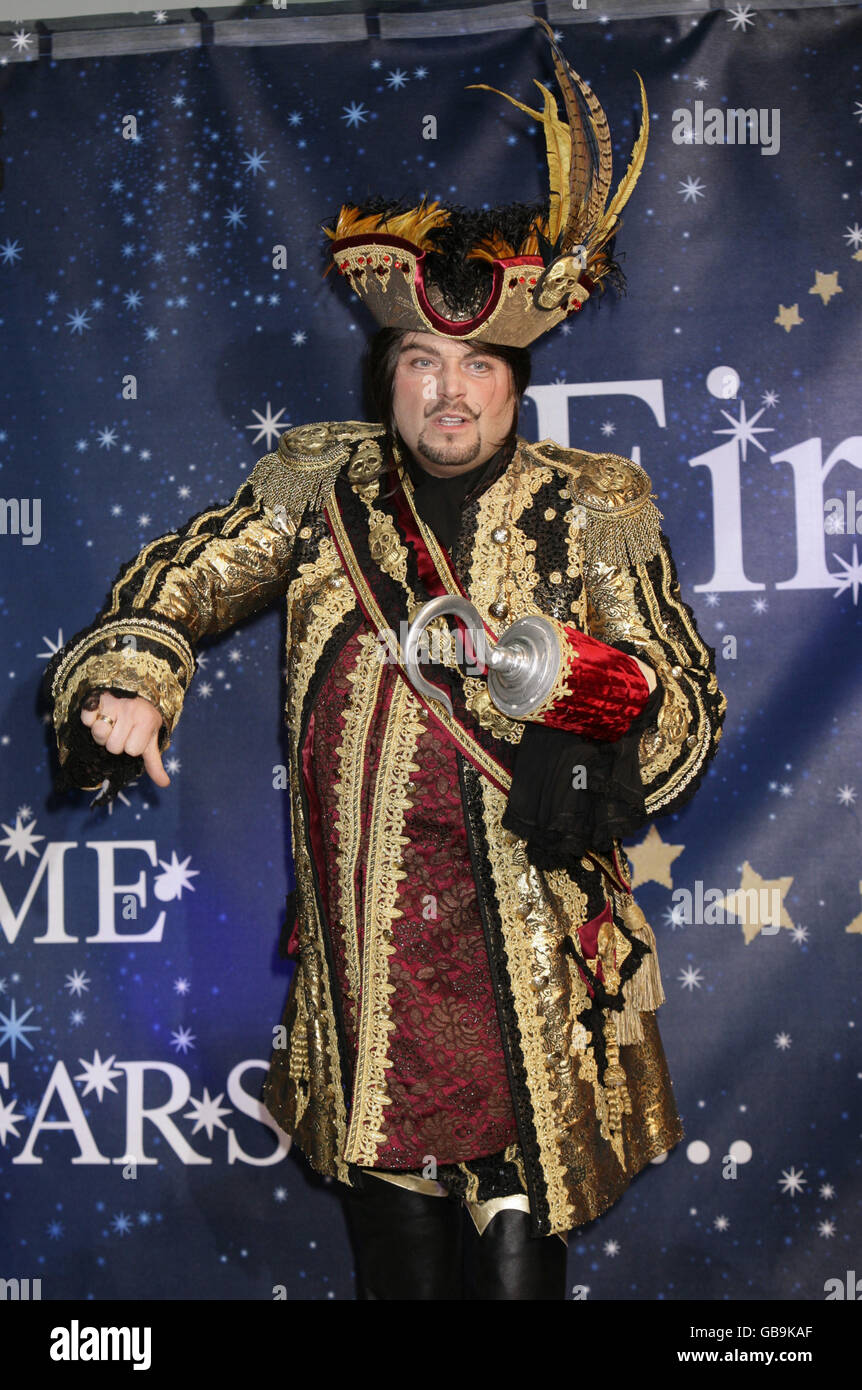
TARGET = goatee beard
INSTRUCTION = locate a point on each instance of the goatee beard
(442, 455)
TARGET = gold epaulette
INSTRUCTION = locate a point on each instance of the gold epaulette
(623, 522)
(303, 470)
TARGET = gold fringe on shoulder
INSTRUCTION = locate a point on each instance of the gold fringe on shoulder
(292, 488)
(623, 538)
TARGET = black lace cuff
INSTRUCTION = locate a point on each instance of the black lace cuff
(572, 794)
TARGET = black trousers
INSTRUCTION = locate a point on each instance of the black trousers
(409, 1245)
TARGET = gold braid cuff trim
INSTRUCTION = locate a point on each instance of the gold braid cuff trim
(140, 672)
(561, 692)
(149, 628)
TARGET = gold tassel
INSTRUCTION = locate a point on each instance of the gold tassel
(298, 1066)
(629, 1026)
(644, 992)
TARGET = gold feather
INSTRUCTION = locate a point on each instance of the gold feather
(558, 147)
(414, 224)
(493, 247)
(636, 159)
(604, 173)
(581, 171)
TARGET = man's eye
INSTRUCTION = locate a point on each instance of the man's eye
(420, 361)
(486, 366)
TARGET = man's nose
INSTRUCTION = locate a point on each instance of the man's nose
(452, 383)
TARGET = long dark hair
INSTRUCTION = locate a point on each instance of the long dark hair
(379, 380)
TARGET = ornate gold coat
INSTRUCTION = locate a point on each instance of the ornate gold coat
(561, 532)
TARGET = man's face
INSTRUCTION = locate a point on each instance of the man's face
(453, 402)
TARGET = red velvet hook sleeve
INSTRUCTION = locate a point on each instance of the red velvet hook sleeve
(598, 692)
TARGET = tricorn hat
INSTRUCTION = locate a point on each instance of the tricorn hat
(509, 274)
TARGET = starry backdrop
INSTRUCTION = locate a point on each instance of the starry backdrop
(144, 248)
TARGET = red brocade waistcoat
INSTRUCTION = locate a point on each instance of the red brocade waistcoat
(447, 1084)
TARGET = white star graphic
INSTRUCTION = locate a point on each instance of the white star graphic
(207, 1113)
(791, 1181)
(852, 576)
(269, 426)
(98, 1075)
(692, 189)
(741, 17)
(743, 430)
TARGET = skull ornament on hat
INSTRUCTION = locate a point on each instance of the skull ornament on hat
(407, 265)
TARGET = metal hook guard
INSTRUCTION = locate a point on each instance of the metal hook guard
(512, 664)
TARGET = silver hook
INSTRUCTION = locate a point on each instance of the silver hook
(446, 603)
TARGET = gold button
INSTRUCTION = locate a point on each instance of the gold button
(676, 670)
(305, 532)
(500, 534)
(550, 514)
(564, 492)
(555, 577)
(691, 740)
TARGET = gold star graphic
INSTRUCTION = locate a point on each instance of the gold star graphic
(788, 318)
(825, 285)
(652, 859)
(856, 924)
(857, 255)
(758, 902)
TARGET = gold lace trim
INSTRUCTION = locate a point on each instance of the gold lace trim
(479, 702)
(110, 632)
(315, 608)
(404, 723)
(507, 569)
(531, 937)
(358, 713)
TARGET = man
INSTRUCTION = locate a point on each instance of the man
(471, 1017)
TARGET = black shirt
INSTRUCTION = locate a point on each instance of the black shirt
(440, 501)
